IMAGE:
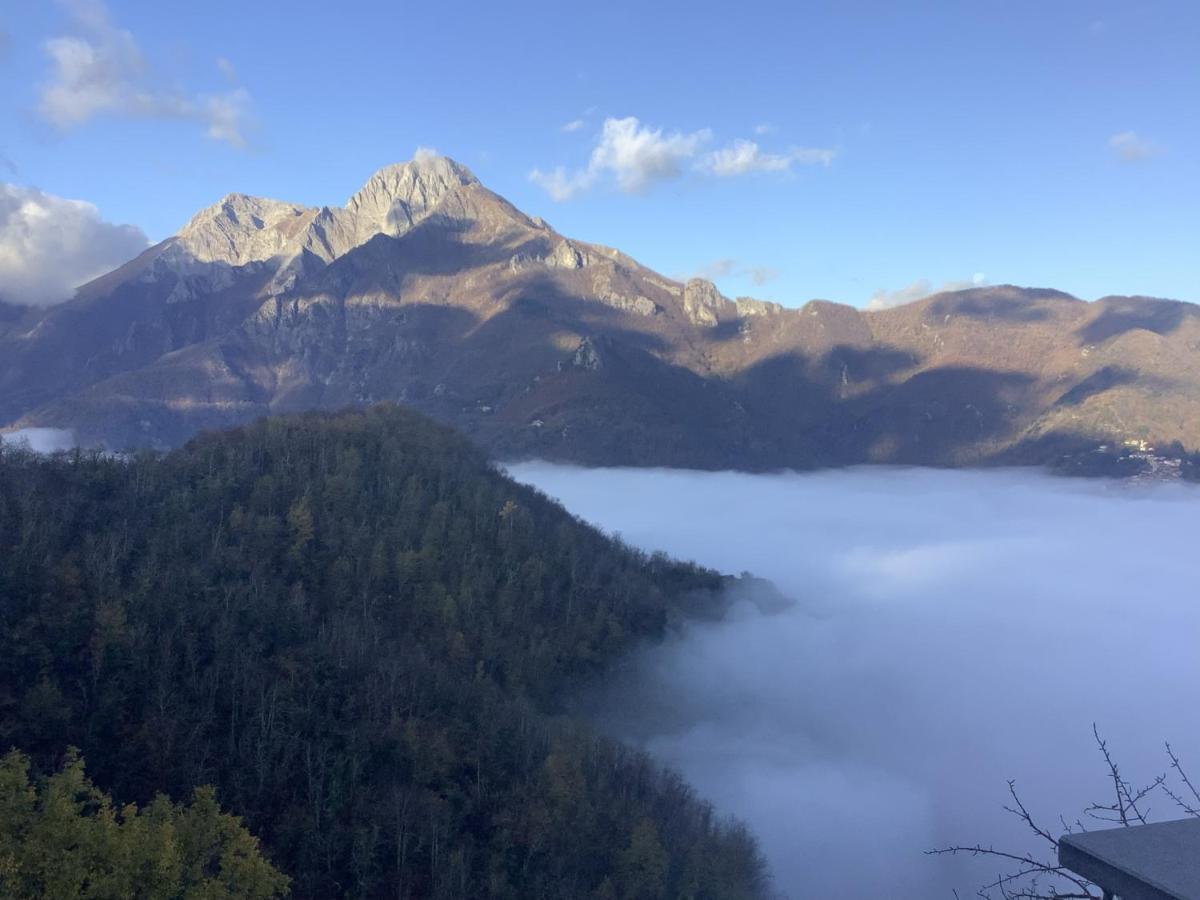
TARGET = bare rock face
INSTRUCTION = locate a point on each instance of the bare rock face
(566, 255)
(397, 197)
(748, 306)
(242, 229)
(702, 301)
(636, 304)
(586, 356)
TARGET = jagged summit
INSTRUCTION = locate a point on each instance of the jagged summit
(241, 228)
(396, 193)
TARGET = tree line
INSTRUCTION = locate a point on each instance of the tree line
(359, 632)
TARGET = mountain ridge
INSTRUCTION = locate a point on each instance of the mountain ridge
(428, 289)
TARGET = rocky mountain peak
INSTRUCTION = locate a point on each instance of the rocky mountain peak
(398, 196)
(240, 229)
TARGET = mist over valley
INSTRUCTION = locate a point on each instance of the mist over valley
(949, 631)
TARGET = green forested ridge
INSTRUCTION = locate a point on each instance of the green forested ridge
(63, 838)
(355, 629)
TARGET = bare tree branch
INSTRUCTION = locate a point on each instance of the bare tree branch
(1185, 805)
(1033, 878)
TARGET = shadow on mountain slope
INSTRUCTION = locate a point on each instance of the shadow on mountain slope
(1097, 383)
(1122, 314)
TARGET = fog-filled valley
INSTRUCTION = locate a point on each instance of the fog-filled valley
(950, 630)
(532, 473)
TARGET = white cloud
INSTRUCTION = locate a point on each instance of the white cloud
(50, 245)
(885, 299)
(425, 154)
(764, 128)
(634, 155)
(99, 70)
(1130, 147)
(226, 115)
(573, 125)
(744, 157)
(637, 156)
(919, 290)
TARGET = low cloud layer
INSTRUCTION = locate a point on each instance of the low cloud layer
(40, 440)
(919, 290)
(98, 69)
(636, 156)
(951, 630)
(50, 245)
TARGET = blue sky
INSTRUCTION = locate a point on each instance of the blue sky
(1039, 143)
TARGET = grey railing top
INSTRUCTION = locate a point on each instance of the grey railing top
(1143, 862)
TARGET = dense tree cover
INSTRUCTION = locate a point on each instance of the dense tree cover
(63, 838)
(356, 629)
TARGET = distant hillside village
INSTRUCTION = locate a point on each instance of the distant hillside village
(1136, 459)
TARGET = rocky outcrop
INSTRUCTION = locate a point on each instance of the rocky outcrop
(636, 304)
(566, 255)
(702, 302)
(748, 306)
(585, 357)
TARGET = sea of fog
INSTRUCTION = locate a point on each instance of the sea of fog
(951, 630)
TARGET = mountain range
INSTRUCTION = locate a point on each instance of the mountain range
(428, 289)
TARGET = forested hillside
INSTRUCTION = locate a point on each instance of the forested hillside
(357, 631)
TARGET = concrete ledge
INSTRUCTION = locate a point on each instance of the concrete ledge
(1143, 862)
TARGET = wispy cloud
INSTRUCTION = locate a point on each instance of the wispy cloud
(637, 156)
(718, 268)
(98, 69)
(744, 157)
(763, 128)
(228, 69)
(727, 267)
(560, 184)
(761, 275)
(50, 245)
(226, 115)
(573, 125)
(1130, 147)
(919, 290)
